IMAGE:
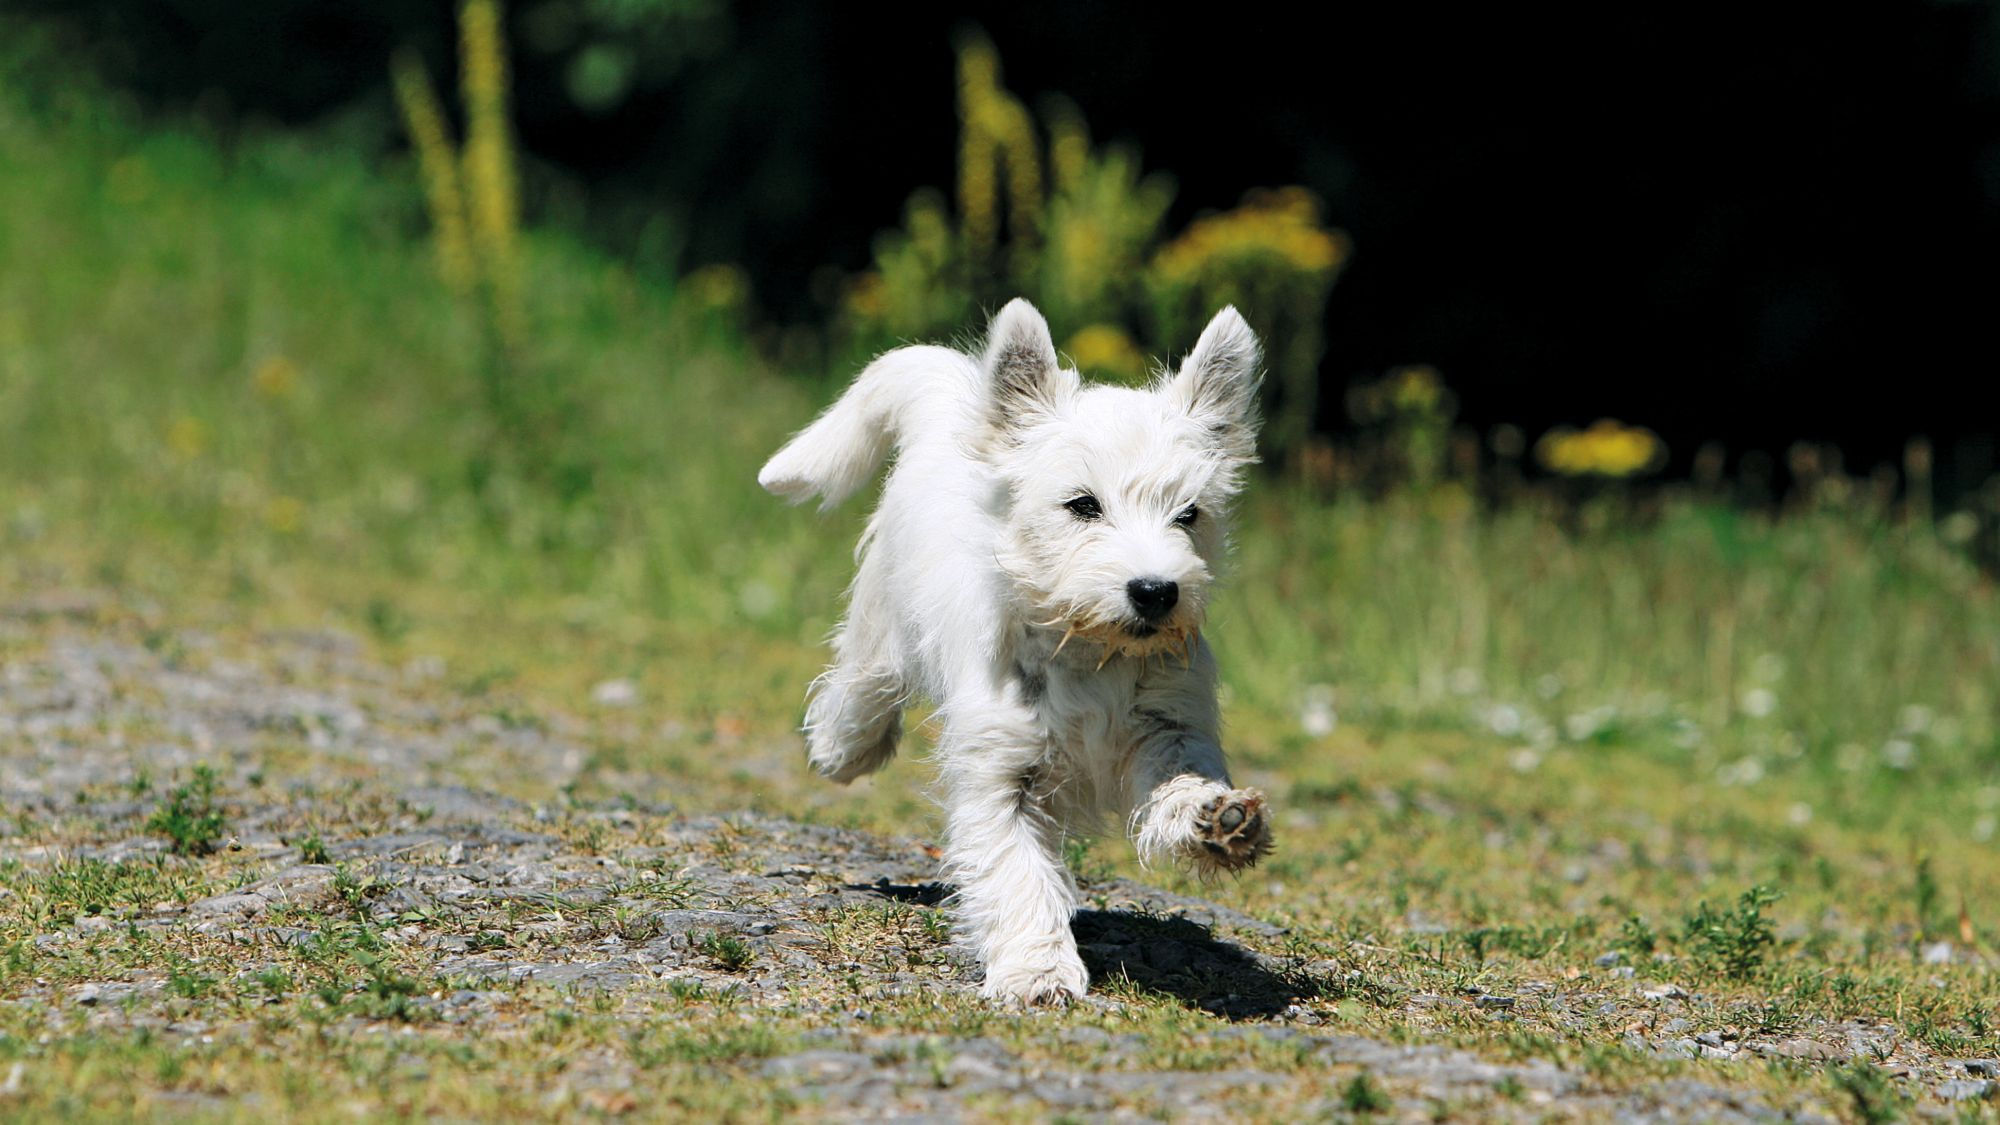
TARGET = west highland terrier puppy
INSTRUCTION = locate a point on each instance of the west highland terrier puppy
(1038, 568)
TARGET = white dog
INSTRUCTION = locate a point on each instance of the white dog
(1038, 567)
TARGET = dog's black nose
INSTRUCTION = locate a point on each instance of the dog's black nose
(1154, 598)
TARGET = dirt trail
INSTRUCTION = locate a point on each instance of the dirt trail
(824, 927)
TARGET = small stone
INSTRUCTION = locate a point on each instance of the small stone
(1937, 953)
(1801, 1049)
(86, 995)
(615, 693)
(1983, 1068)
(1709, 1038)
(1610, 960)
(1494, 1003)
(1966, 1089)
(1664, 992)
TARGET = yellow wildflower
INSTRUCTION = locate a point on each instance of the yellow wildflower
(1282, 223)
(1107, 349)
(285, 514)
(187, 437)
(718, 287)
(996, 135)
(276, 377)
(444, 196)
(1415, 390)
(1606, 449)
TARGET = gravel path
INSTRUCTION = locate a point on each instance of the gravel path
(491, 892)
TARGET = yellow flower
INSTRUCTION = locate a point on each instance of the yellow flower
(1283, 224)
(187, 437)
(276, 377)
(1106, 348)
(1606, 449)
(867, 297)
(285, 514)
(1415, 390)
(718, 287)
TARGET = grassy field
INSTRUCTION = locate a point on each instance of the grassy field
(1757, 757)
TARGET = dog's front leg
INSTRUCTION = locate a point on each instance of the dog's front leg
(1015, 896)
(1185, 808)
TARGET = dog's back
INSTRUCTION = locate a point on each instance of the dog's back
(924, 391)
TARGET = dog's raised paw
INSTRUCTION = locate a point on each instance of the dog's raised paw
(1233, 829)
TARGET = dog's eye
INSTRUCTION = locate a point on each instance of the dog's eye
(1085, 508)
(1187, 517)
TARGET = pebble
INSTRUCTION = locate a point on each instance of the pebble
(1966, 1089)
(615, 693)
(1982, 1068)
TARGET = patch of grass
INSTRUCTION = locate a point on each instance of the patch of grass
(190, 817)
(312, 849)
(1362, 1096)
(729, 952)
(1872, 1097)
(1734, 941)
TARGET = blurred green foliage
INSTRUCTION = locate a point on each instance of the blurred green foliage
(1089, 248)
(244, 359)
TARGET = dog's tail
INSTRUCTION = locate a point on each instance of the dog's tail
(835, 456)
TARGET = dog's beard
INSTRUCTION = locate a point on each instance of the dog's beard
(1174, 637)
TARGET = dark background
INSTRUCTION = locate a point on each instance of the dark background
(1754, 226)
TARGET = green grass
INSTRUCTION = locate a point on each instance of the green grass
(234, 396)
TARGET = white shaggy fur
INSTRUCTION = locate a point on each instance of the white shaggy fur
(997, 578)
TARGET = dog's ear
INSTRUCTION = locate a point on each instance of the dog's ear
(1021, 360)
(1217, 383)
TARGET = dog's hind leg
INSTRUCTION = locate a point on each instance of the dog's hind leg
(854, 716)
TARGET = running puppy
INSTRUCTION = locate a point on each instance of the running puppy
(1038, 567)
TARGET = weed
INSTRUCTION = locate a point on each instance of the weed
(1734, 941)
(1928, 897)
(312, 849)
(1872, 1094)
(1637, 936)
(184, 982)
(189, 817)
(1363, 1096)
(728, 951)
(356, 889)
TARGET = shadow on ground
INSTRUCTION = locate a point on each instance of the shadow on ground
(1164, 955)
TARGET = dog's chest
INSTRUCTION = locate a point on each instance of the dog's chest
(1089, 714)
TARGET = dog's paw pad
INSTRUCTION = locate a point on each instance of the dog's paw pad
(1233, 829)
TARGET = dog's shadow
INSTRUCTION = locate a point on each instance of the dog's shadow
(1160, 955)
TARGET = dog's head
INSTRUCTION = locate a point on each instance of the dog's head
(1119, 498)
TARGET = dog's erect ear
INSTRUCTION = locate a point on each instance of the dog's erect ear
(1217, 383)
(1021, 359)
